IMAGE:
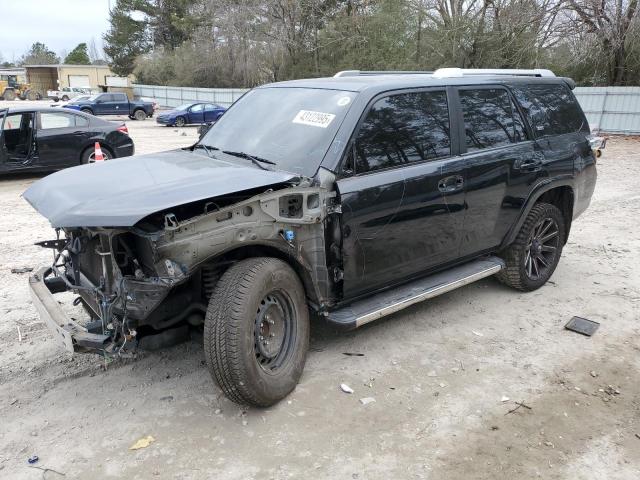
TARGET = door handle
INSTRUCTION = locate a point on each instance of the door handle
(451, 184)
(530, 165)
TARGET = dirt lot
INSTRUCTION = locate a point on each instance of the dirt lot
(438, 373)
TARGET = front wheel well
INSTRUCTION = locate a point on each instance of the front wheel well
(226, 259)
(561, 197)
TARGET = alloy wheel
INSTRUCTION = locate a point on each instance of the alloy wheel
(542, 248)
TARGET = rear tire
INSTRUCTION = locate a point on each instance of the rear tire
(65, 98)
(532, 258)
(140, 115)
(256, 331)
(89, 153)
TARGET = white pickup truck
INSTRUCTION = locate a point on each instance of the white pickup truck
(67, 93)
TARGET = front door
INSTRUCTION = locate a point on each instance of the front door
(196, 114)
(18, 140)
(400, 192)
(502, 163)
(3, 148)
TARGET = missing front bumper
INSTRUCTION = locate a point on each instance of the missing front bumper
(67, 332)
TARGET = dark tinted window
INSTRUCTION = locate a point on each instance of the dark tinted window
(490, 118)
(118, 97)
(404, 128)
(550, 109)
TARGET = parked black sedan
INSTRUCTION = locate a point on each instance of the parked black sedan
(43, 139)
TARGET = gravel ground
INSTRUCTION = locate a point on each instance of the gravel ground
(438, 372)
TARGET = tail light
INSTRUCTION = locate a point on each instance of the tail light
(123, 128)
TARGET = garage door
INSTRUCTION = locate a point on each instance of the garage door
(79, 81)
(113, 81)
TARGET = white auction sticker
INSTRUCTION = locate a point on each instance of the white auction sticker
(315, 119)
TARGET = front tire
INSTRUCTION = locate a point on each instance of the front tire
(256, 332)
(180, 122)
(532, 258)
(88, 111)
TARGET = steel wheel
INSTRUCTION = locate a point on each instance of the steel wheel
(274, 331)
(542, 248)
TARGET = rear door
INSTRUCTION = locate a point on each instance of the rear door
(210, 112)
(501, 164)
(120, 103)
(396, 222)
(60, 138)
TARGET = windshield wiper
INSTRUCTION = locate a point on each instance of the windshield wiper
(206, 148)
(255, 160)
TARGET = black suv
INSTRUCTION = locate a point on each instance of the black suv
(349, 197)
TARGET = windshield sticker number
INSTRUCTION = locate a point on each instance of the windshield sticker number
(314, 119)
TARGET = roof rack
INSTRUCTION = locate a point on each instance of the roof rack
(463, 72)
(356, 73)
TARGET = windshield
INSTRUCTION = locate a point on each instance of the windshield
(292, 127)
(93, 98)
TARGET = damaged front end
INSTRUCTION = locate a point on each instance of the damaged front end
(146, 285)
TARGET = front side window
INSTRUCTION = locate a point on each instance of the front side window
(404, 128)
(490, 118)
(51, 120)
(551, 109)
(197, 108)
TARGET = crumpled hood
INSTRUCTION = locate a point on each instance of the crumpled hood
(121, 192)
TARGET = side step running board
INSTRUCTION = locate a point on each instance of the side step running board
(391, 301)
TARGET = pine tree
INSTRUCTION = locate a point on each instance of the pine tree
(126, 39)
(78, 56)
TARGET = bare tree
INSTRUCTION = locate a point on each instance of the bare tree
(611, 22)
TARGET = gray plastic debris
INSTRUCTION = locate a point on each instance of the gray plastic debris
(367, 400)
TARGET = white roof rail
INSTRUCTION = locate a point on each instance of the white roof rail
(356, 73)
(463, 72)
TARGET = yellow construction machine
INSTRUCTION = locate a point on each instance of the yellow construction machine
(10, 89)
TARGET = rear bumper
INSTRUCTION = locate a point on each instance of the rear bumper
(69, 334)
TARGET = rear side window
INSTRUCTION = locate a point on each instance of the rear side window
(50, 120)
(550, 109)
(401, 129)
(56, 120)
(490, 118)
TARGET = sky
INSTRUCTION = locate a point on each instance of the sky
(59, 24)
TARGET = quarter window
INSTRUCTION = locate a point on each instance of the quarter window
(404, 128)
(490, 118)
(551, 109)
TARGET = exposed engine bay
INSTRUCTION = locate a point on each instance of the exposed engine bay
(146, 285)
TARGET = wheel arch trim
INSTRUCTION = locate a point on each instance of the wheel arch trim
(543, 187)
